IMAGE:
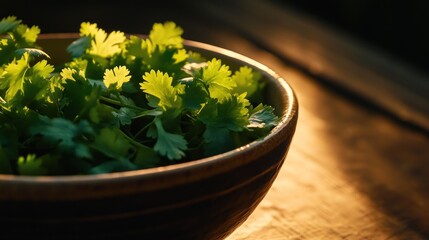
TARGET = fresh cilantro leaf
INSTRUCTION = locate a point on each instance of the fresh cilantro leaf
(104, 45)
(37, 87)
(146, 157)
(194, 95)
(26, 36)
(88, 29)
(246, 81)
(160, 90)
(180, 56)
(68, 74)
(138, 47)
(79, 97)
(78, 47)
(63, 135)
(8, 24)
(125, 115)
(32, 51)
(112, 143)
(114, 78)
(31, 165)
(12, 80)
(263, 117)
(169, 144)
(18, 72)
(167, 34)
(217, 140)
(217, 77)
(231, 114)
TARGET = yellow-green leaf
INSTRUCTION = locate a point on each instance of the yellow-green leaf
(116, 77)
(167, 34)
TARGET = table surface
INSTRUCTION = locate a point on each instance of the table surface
(354, 170)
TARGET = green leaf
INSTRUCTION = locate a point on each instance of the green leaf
(138, 47)
(217, 140)
(88, 29)
(8, 24)
(217, 77)
(13, 77)
(104, 45)
(167, 34)
(39, 90)
(161, 91)
(231, 114)
(31, 165)
(180, 56)
(68, 74)
(26, 36)
(32, 51)
(78, 47)
(78, 67)
(169, 144)
(128, 111)
(263, 117)
(112, 143)
(114, 78)
(63, 135)
(7, 51)
(146, 158)
(194, 95)
(246, 81)
(79, 97)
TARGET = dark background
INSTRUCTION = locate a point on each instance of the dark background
(396, 27)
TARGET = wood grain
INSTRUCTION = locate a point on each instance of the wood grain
(351, 173)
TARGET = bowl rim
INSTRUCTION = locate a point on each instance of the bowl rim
(162, 175)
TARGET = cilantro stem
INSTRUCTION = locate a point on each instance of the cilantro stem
(132, 141)
(118, 103)
(206, 87)
(144, 128)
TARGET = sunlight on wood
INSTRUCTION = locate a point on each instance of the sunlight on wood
(317, 177)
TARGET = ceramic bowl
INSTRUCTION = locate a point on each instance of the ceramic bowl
(203, 199)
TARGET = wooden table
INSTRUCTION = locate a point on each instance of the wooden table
(358, 167)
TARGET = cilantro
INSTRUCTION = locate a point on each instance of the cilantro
(116, 77)
(160, 90)
(31, 165)
(217, 77)
(169, 144)
(121, 103)
(104, 45)
(263, 117)
(7, 24)
(167, 34)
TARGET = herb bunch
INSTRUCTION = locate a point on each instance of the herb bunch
(121, 103)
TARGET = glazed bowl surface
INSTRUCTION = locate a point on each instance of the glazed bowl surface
(203, 199)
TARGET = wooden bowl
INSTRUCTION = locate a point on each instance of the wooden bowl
(203, 199)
